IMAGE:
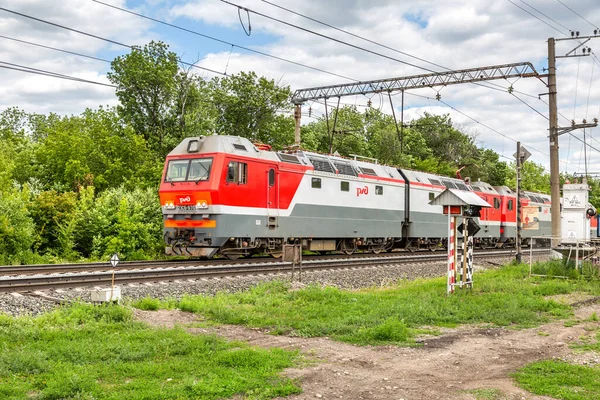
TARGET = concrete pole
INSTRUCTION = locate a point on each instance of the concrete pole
(554, 167)
(297, 116)
(519, 224)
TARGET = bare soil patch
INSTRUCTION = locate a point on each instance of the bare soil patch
(444, 367)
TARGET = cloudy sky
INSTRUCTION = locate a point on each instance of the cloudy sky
(432, 35)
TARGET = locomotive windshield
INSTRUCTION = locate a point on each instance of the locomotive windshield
(195, 169)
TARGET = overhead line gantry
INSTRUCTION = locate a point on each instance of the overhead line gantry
(505, 71)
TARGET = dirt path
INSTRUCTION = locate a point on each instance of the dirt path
(444, 368)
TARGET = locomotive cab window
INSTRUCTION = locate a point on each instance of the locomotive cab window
(431, 196)
(379, 190)
(199, 169)
(496, 203)
(196, 169)
(345, 186)
(237, 172)
(316, 183)
(510, 205)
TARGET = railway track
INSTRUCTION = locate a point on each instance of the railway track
(132, 265)
(28, 283)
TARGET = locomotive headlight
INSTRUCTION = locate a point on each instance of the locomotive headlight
(169, 205)
(202, 204)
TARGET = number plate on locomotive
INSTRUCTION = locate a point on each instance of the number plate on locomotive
(186, 208)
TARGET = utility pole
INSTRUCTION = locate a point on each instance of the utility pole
(555, 131)
(518, 240)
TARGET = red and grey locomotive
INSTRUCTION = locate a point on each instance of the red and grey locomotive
(226, 195)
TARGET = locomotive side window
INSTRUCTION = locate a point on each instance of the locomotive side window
(271, 177)
(510, 205)
(379, 190)
(316, 183)
(496, 203)
(345, 186)
(237, 172)
(431, 196)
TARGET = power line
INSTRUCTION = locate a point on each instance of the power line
(522, 101)
(55, 49)
(551, 19)
(579, 15)
(498, 87)
(23, 68)
(353, 34)
(98, 37)
(535, 16)
(223, 41)
(326, 37)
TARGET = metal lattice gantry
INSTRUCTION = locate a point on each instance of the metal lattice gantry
(517, 70)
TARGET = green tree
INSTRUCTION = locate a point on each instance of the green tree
(94, 149)
(251, 107)
(158, 99)
(533, 177)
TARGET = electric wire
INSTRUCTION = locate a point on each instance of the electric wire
(536, 17)
(579, 15)
(247, 10)
(327, 37)
(551, 19)
(55, 49)
(31, 70)
(224, 41)
(486, 84)
(97, 37)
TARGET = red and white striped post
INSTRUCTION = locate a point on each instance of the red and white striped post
(451, 252)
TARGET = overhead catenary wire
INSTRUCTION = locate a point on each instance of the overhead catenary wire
(579, 15)
(248, 10)
(327, 37)
(223, 41)
(98, 37)
(486, 84)
(550, 18)
(55, 49)
(536, 17)
(31, 70)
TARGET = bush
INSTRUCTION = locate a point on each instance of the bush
(17, 230)
(119, 221)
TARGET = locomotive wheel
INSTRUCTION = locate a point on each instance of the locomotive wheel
(232, 256)
(376, 250)
(346, 248)
(276, 253)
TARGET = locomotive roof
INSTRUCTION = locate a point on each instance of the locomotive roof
(321, 162)
(221, 144)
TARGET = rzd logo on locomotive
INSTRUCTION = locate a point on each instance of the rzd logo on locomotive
(363, 190)
(184, 200)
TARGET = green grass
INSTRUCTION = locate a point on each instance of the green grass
(560, 380)
(589, 345)
(503, 297)
(99, 352)
(486, 394)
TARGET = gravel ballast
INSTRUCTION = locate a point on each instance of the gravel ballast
(379, 276)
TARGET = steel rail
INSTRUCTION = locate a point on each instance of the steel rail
(41, 282)
(126, 265)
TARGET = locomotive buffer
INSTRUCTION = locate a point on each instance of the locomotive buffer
(457, 203)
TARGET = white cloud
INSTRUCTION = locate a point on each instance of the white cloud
(451, 33)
